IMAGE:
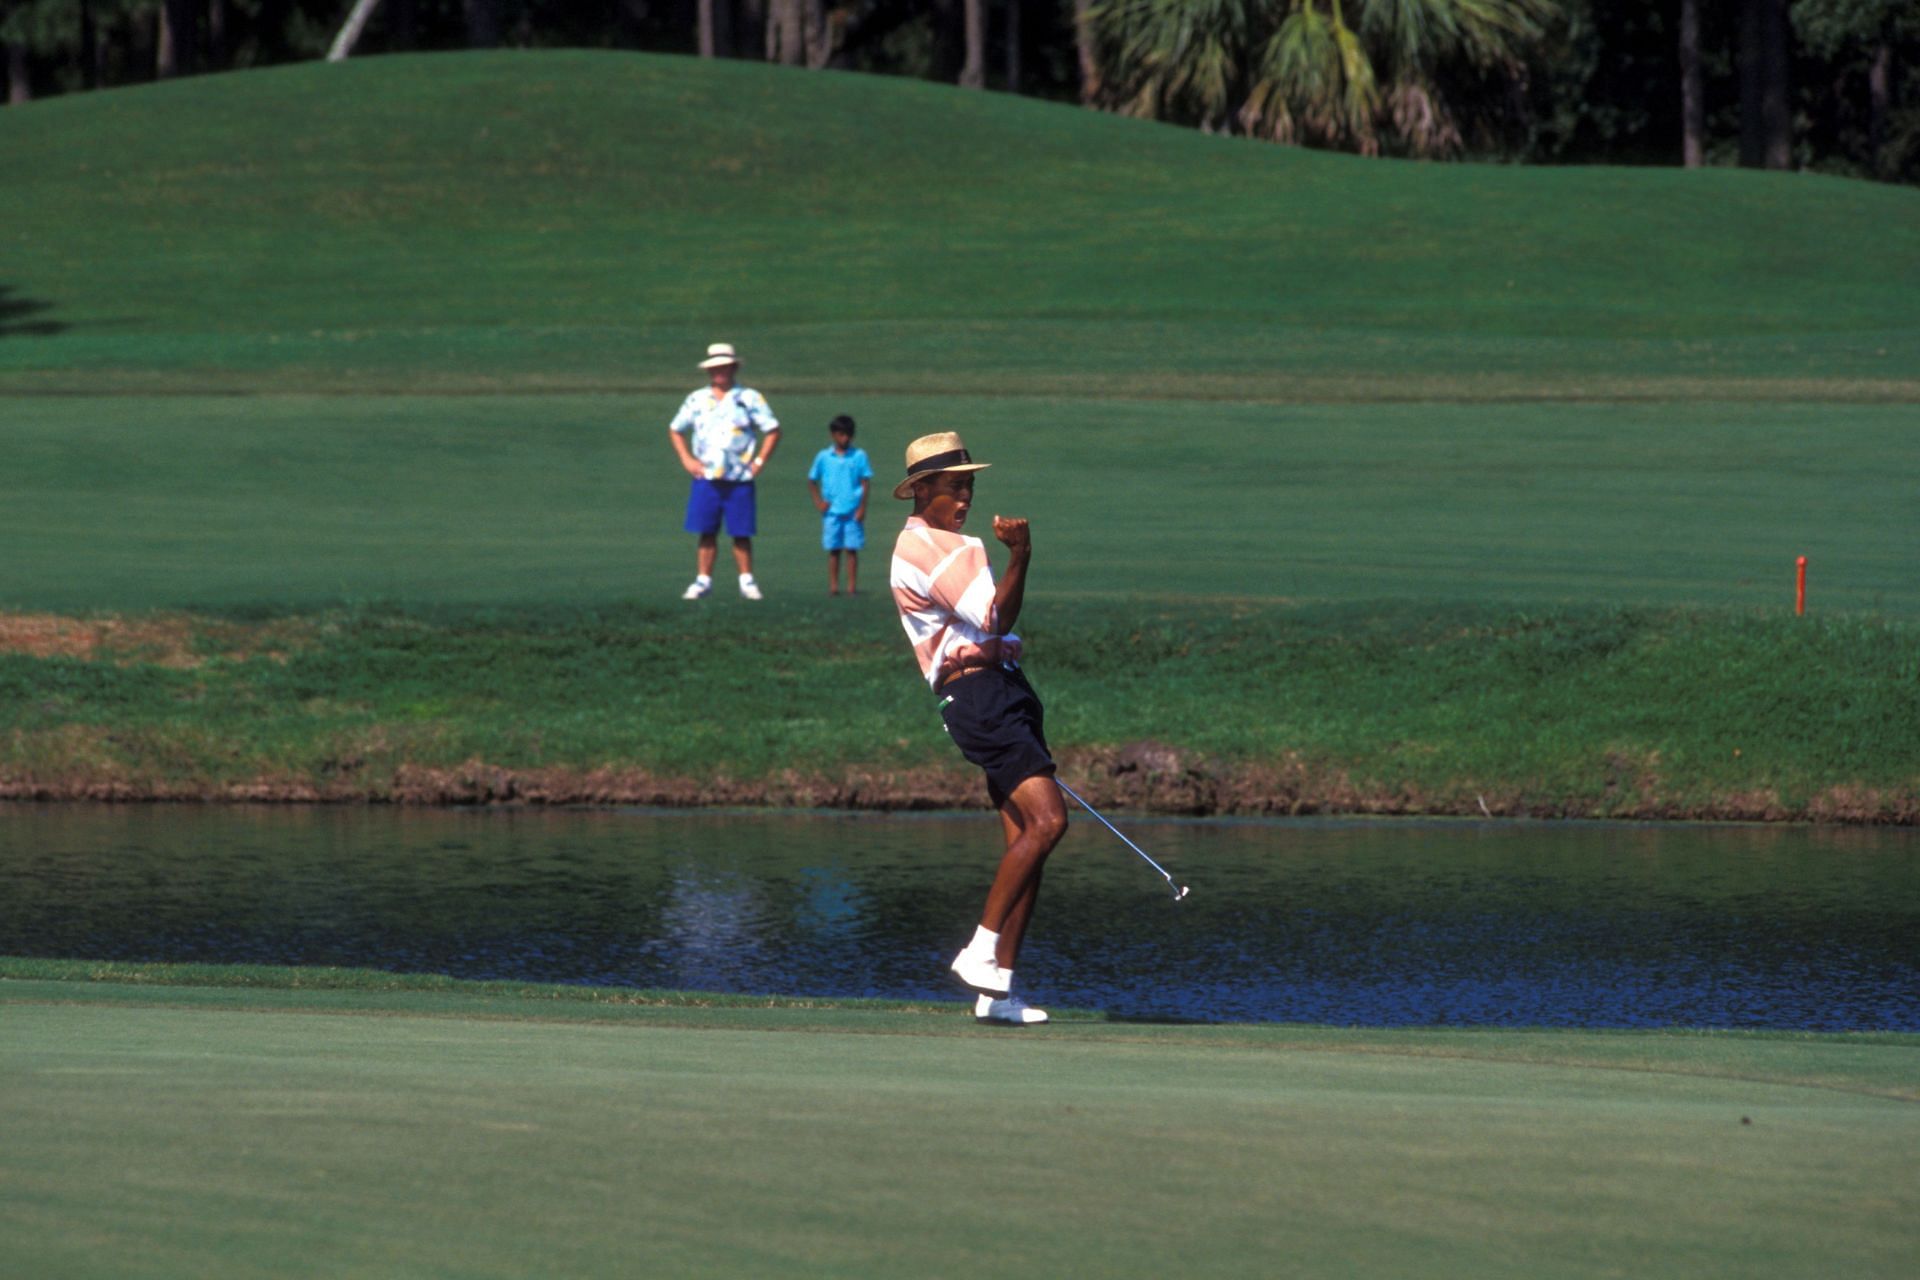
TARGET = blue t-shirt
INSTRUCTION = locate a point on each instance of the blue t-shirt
(839, 476)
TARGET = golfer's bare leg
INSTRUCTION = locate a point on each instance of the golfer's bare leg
(853, 572)
(1013, 930)
(705, 554)
(1034, 818)
(833, 573)
(743, 554)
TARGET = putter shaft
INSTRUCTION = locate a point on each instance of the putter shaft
(1179, 890)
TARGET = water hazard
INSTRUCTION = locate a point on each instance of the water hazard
(1374, 923)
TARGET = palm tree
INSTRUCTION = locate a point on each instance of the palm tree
(173, 53)
(973, 74)
(1340, 73)
(349, 33)
(1766, 104)
(1693, 106)
(811, 33)
(1085, 53)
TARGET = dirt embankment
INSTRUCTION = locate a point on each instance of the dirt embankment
(1143, 777)
(175, 641)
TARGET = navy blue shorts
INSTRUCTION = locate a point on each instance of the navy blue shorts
(996, 720)
(711, 500)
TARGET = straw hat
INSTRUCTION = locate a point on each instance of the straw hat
(930, 455)
(718, 354)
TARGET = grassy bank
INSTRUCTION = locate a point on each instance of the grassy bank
(452, 1129)
(1232, 710)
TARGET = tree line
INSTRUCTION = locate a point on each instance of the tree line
(1783, 84)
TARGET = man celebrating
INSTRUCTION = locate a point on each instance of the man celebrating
(961, 628)
(732, 434)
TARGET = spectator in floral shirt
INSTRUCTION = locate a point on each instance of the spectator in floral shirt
(725, 435)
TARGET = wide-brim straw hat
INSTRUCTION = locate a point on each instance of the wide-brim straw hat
(930, 455)
(719, 353)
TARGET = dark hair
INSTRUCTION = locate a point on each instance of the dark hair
(841, 423)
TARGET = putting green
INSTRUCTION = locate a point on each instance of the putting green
(167, 1131)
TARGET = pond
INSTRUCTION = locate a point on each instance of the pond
(1328, 921)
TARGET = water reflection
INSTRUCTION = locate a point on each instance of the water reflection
(1384, 923)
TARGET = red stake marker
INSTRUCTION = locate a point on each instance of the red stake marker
(1800, 587)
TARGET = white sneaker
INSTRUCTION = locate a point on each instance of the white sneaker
(751, 590)
(1012, 1010)
(981, 973)
(696, 589)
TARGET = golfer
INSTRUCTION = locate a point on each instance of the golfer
(725, 436)
(961, 627)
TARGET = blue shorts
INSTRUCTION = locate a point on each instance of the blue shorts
(713, 499)
(841, 533)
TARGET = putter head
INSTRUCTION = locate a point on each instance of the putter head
(1180, 894)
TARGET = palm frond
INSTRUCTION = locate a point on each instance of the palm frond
(1422, 121)
(1182, 56)
(1332, 72)
(1417, 35)
(1314, 80)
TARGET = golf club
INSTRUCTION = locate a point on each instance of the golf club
(1179, 890)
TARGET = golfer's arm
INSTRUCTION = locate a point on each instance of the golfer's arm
(1011, 592)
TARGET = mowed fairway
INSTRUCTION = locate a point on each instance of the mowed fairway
(305, 501)
(313, 1133)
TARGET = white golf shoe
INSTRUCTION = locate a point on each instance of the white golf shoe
(1012, 1010)
(750, 589)
(696, 589)
(980, 973)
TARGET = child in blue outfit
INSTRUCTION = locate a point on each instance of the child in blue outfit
(839, 480)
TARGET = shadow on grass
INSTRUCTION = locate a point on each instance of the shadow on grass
(17, 316)
(1159, 1019)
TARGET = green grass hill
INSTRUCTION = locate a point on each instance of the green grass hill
(583, 219)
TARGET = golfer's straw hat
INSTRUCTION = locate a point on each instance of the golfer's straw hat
(719, 353)
(930, 455)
